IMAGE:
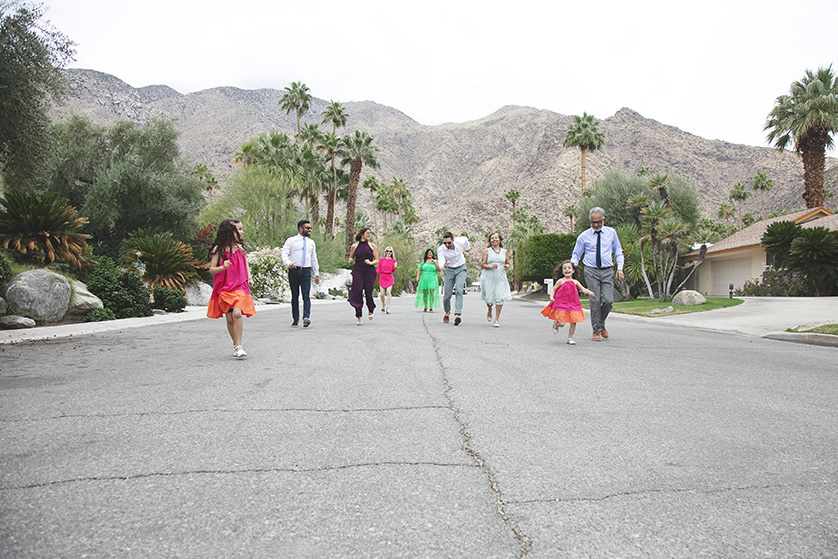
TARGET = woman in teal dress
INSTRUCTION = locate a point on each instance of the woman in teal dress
(494, 287)
(427, 283)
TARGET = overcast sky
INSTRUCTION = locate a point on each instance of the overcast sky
(711, 67)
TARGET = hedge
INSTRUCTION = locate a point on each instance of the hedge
(541, 254)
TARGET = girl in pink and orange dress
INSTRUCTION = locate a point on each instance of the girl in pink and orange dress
(565, 306)
(231, 281)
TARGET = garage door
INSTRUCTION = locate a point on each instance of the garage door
(736, 271)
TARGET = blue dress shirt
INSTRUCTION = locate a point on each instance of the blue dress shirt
(586, 244)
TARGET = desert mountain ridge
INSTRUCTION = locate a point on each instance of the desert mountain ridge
(458, 173)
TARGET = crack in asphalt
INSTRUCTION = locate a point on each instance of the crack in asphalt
(519, 535)
(672, 491)
(220, 410)
(232, 472)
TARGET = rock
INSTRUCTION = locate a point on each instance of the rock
(667, 310)
(2, 306)
(13, 322)
(688, 297)
(198, 294)
(82, 301)
(39, 294)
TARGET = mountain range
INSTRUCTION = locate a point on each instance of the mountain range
(458, 173)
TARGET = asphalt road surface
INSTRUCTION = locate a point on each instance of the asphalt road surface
(407, 437)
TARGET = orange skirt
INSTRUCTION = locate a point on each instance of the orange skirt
(226, 300)
(568, 317)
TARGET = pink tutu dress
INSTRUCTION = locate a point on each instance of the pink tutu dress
(565, 306)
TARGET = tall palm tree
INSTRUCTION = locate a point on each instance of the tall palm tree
(329, 143)
(726, 212)
(762, 184)
(806, 119)
(336, 114)
(357, 150)
(739, 194)
(298, 99)
(570, 212)
(585, 135)
(512, 195)
(373, 184)
(401, 192)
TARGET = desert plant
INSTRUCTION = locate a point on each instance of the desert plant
(160, 259)
(42, 228)
(169, 300)
(121, 291)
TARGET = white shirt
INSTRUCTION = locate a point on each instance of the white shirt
(454, 255)
(292, 253)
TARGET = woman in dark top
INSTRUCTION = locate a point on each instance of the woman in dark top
(364, 257)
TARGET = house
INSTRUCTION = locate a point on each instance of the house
(741, 257)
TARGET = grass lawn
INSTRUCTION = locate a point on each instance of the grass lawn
(823, 329)
(641, 307)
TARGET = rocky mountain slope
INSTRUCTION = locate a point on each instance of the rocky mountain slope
(458, 172)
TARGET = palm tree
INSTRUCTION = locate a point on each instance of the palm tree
(336, 114)
(311, 133)
(401, 192)
(512, 195)
(244, 155)
(762, 184)
(726, 212)
(739, 194)
(373, 184)
(329, 143)
(585, 135)
(357, 150)
(806, 119)
(658, 182)
(298, 99)
(569, 212)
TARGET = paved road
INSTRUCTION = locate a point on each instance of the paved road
(409, 438)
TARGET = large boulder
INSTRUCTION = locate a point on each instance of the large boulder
(39, 294)
(12, 322)
(2, 306)
(82, 301)
(688, 297)
(198, 294)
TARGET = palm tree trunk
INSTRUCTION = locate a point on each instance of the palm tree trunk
(314, 201)
(354, 179)
(374, 215)
(762, 195)
(645, 275)
(813, 164)
(740, 215)
(330, 206)
(584, 149)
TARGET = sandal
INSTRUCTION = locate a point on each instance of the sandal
(555, 327)
(359, 321)
(570, 341)
(240, 352)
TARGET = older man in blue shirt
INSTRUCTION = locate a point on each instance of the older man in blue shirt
(600, 247)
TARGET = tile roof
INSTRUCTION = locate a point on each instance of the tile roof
(752, 235)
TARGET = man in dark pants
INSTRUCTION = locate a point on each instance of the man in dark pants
(598, 243)
(300, 256)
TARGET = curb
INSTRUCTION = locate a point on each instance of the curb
(827, 340)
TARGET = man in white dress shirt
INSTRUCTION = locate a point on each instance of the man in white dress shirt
(300, 256)
(451, 254)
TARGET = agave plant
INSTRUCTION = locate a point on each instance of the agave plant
(43, 228)
(160, 259)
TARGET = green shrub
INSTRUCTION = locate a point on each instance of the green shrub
(270, 277)
(541, 254)
(778, 283)
(100, 315)
(162, 260)
(121, 291)
(170, 300)
(6, 272)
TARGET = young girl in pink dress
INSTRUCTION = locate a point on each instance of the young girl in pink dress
(386, 266)
(231, 282)
(565, 306)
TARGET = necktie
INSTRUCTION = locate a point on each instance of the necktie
(303, 265)
(599, 249)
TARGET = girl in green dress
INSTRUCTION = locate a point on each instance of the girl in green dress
(427, 283)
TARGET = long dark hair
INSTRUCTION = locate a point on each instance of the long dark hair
(227, 237)
(425, 257)
(360, 233)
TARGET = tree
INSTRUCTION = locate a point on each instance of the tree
(512, 195)
(814, 253)
(739, 194)
(570, 212)
(762, 184)
(206, 177)
(298, 99)
(357, 150)
(400, 191)
(585, 135)
(336, 114)
(805, 120)
(373, 184)
(32, 54)
(329, 143)
(726, 212)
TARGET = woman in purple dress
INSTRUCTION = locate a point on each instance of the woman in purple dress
(364, 257)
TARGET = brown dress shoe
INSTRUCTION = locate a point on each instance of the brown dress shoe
(445, 318)
(596, 337)
(604, 333)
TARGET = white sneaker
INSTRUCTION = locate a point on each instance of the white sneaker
(240, 352)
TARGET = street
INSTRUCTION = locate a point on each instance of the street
(407, 437)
